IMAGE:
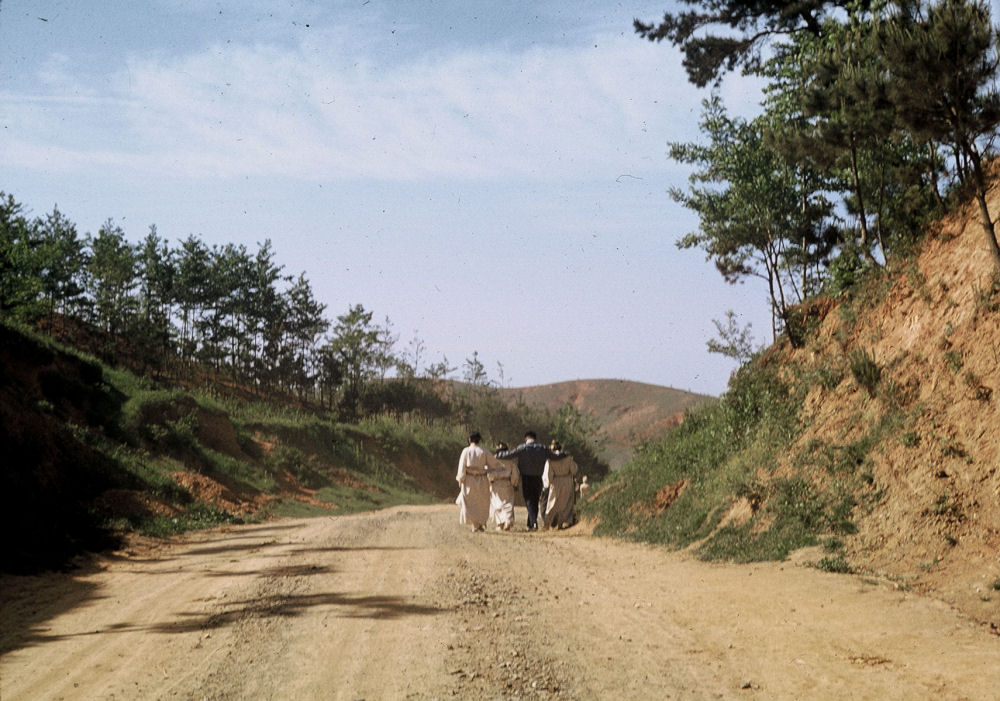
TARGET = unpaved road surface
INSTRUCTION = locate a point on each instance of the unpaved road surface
(406, 604)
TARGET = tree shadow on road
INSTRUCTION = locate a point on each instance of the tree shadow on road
(27, 602)
(342, 605)
(272, 606)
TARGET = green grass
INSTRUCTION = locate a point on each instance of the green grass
(717, 450)
(195, 517)
(834, 564)
(865, 370)
(726, 451)
(430, 435)
(339, 499)
(132, 434)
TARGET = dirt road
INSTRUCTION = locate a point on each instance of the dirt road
(405, 604)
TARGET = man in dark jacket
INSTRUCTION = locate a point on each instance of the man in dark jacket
(531, 457)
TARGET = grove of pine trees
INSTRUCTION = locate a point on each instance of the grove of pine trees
(877, 114)
(224, 316)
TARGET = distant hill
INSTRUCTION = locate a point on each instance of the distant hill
(629, 412)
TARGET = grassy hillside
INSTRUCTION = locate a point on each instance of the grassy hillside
(96, 452)
(629, 413)
(875, 442)
(93, 453)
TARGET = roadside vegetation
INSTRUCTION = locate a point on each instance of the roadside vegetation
(96, 451)
(879, 120)
(712, 482)
(751, 477)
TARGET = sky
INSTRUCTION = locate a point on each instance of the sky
(491, 177)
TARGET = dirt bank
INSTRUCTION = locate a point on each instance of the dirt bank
(405, 604)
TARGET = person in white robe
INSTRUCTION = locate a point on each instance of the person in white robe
(504, 479)
(474, 484)
(559, 477)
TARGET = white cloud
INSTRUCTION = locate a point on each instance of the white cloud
(235, 110)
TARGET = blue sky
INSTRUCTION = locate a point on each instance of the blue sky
(491, 177)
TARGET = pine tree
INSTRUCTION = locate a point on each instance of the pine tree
(268, 311)
(707, 54)
(62, 261)
(112, 278)
(304, 325)
(20, 279)
(353, 356)
(190, 294)
(157, 273)
(943, 61)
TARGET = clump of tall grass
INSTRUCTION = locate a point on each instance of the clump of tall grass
(865, 370)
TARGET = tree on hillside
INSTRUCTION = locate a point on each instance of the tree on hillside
(757, 218)
(111, 277)
(440, 370)
(353, 356)
(943, 61)
(266, 313)
(20, 283)
(828, 112)
(851, 116)
(734, 341)
(62, 260)
(304, 325)
(579, 432)
(190, 293)
(473, 370)
(217, 326)
(157, 272)
(387, 340)
(408, 364)
(750, 23)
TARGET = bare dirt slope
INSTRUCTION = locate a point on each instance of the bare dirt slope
(404, 603)
(935, 335)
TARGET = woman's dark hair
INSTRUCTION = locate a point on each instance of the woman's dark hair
(501, 446)
(474, 437)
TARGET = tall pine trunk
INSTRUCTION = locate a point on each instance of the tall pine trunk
(982, 187)
(862, 216)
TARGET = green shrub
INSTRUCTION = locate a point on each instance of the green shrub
(834, 564)
(290, 458)
(846, 271)
(716, 451)
(988, 296)
(197, 516)
(833, 545)
(739, 544)
(759, 399)
(954, 359)
(798, 326)
(830, 377)
(865, 370)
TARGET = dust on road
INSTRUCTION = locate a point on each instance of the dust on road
(406, 604)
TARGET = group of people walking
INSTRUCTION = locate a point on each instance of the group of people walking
(487, 482)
